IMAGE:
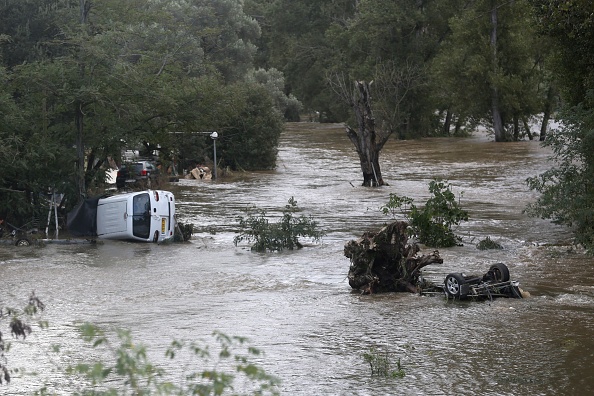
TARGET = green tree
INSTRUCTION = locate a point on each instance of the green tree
(93, 77)
(251, 131)
(567, 194)
(274, 82)
(294, 41)
(490, 69)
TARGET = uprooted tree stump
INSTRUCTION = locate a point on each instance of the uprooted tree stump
(385, 261)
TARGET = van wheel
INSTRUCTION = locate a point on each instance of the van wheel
(23, 242)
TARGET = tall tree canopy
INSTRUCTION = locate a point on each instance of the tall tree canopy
(81, 80)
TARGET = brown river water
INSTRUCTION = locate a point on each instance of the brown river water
(297, 306)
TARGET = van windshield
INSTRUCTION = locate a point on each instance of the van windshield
(141, 219)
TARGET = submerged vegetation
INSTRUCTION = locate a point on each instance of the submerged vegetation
(432, 224)
(255, 228)
(381, 365)
(488, 244)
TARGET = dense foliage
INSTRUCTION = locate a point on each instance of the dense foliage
(80, 81)
(567, 189)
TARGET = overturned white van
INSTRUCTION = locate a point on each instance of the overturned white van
(146, 216)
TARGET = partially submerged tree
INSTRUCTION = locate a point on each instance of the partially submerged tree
(431, 224)
(284, 234)
(367, 140)
(491, 68)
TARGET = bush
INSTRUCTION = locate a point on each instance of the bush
(487, 244)
(433, 223)
(276, 237)
(381, 364)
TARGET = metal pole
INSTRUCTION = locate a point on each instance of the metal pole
(214, 137)
(214, 175)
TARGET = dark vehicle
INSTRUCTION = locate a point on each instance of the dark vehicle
(142, 174)
(495, 283)
(18, 236)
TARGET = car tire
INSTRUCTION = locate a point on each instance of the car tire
(453, 285)
(23, 242)
(500, 272)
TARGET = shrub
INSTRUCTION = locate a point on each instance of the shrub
(487, 244)
(381, 365)
(277, 236)
(433, 223)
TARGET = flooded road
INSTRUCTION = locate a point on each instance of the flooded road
(297, 306)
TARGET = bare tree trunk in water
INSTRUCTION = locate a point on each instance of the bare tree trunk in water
(527, 128)
(447, 123)
(516, 129)
(547, 113)
(367, 143)
(497, 120)
(458, 126)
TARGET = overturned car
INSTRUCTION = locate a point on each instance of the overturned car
(495, 282)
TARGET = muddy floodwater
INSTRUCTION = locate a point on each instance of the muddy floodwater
(297, 306)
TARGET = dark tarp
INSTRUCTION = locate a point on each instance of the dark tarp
(82, 220)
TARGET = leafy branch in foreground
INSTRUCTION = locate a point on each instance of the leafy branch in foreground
(277, 236)
(433, 223)
(18, 328)
(130, 372)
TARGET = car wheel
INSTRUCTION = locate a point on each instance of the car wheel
(453, 285)
(500, 272)
(23, 242)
